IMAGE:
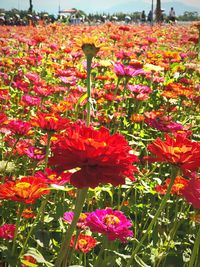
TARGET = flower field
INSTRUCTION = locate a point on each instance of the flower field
(100, 146)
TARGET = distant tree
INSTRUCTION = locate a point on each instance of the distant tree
(30, 6)
(189, 16)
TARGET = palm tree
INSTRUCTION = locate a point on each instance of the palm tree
(30, 6)
(158, 11)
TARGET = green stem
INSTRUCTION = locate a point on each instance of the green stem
(32, 227)
(47, 149)
(85, 259)
(65, 246)
(89, 62)
(11, 153)
(16, 229)
(126, 196)
(162, 205)
(195, 250)
(98, 262)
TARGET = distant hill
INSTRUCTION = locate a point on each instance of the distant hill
(135, 5)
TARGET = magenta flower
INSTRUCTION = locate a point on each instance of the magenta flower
(164, 124)
(19, 127)
(126, 71)
(35, 153)
(52, 177)
(113, 224)
(7, 231)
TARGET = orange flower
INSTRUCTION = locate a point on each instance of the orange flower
(178, 186)
(28, 213)
(85, 243)
(27, 190)
(137, 117)
(181, 151)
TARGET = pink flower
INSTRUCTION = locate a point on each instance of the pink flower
(7, 231)
(31, 100)
(68, 217)
(68, 80)
(113, 224)
(52, 177)
(139, 89)
(126, 71)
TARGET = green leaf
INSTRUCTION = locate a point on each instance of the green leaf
(38, 256)
(141, 262)
(80, 100)
(28, 263)
(123, 256)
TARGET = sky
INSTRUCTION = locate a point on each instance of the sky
(52, 6)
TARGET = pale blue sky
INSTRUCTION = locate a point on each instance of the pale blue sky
(51, 6)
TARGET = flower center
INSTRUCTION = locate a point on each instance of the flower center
(111, 220)
(37, 151)
(83, 216)
(82, 242)
(52, 176)
(95, 144)
(182, 149)
(48, 118)
(22, 185)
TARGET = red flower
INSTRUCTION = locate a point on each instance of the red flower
(49, 121)
(192, 193)
(180, 151)
(85, 243)
(27, 190)
(177, 188)
(97, 156)
(3, 118)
